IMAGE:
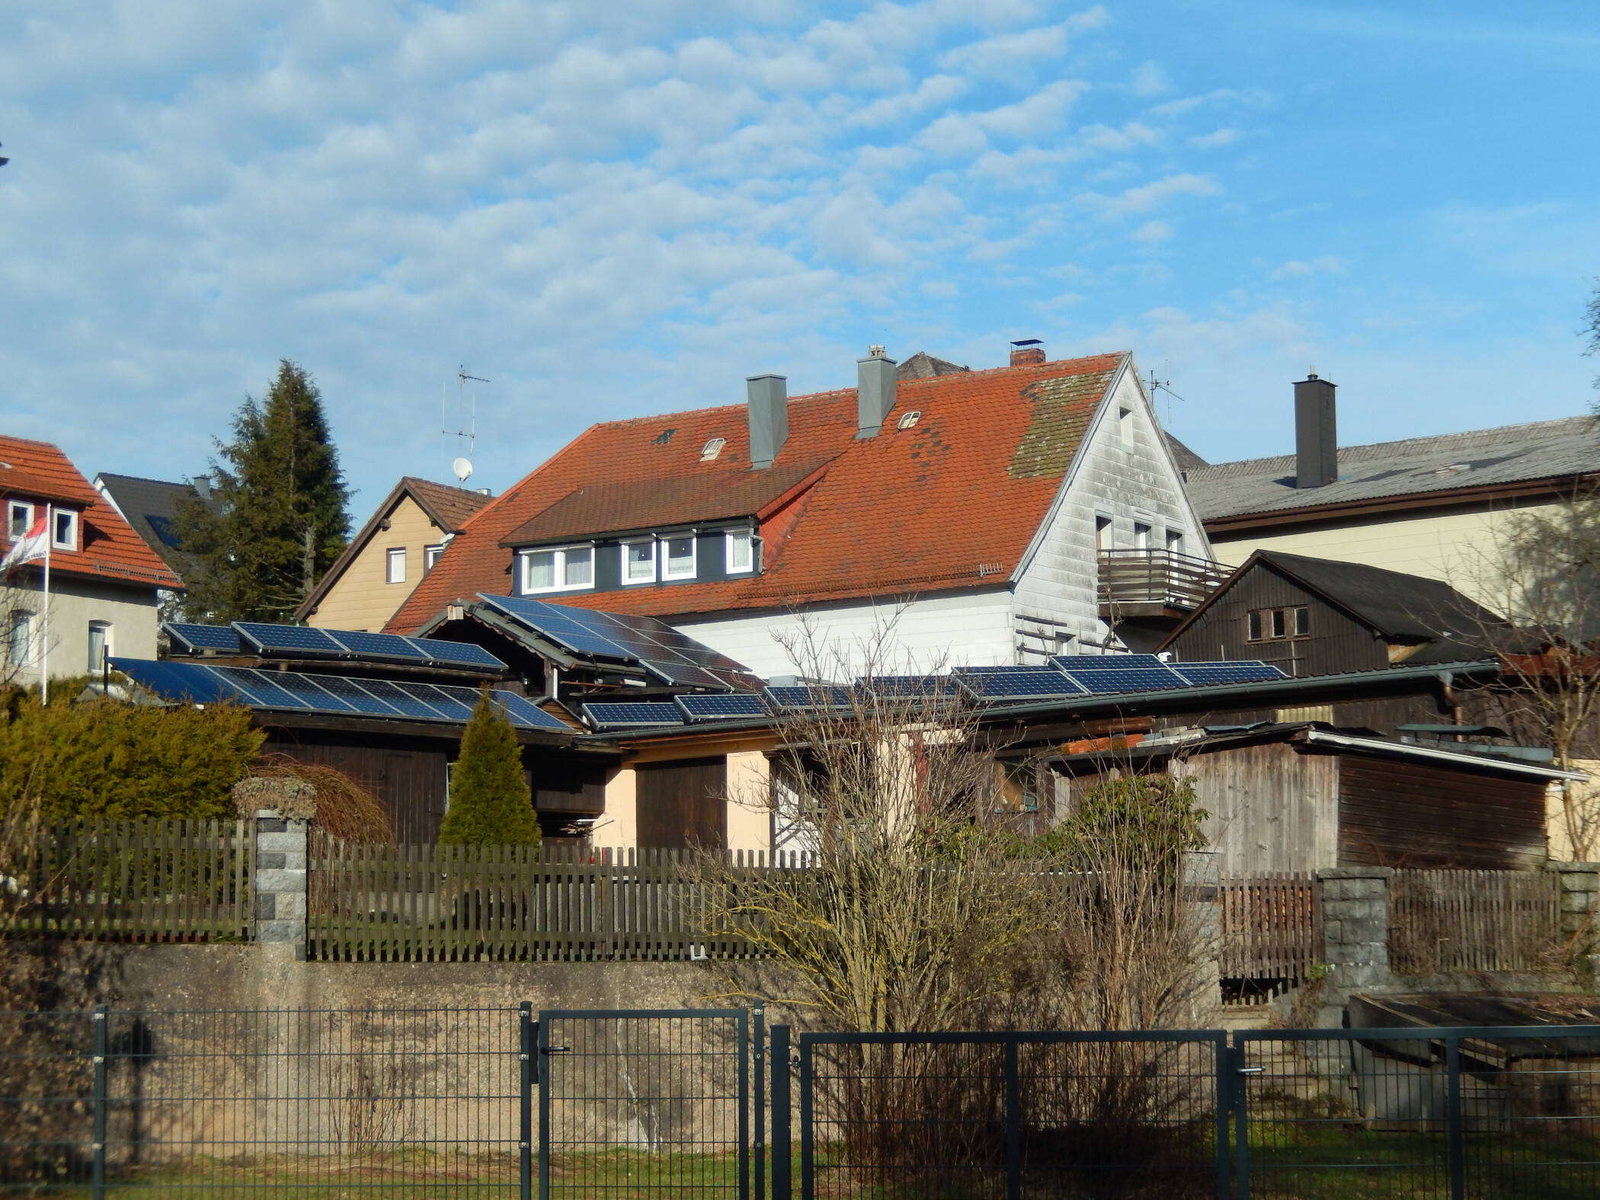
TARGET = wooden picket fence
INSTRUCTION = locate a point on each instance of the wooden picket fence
(1270, 931)
(1442, 922)
(427, 903)
(136, 880)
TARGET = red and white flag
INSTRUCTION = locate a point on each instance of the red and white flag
(31, 545)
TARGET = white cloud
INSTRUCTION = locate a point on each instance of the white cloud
(1326, 264)
(1151, 195)
(1153, 232)
(1149, 80)
(1216, 139)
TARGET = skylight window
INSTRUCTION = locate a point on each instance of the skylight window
(909, 419)
(711, 449)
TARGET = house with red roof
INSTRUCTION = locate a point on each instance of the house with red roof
(989, 516)
(104, 580)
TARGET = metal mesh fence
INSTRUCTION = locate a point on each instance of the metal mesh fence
(1011, 1114)
(652, 1103)
(1420, 1113)
(261, 1103)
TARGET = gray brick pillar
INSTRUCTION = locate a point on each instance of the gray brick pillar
(1580, 909)
(281, 879)
(1355, 930)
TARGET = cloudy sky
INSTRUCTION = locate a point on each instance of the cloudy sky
(612, 210)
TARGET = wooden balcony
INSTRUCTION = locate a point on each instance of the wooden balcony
(1154, 583)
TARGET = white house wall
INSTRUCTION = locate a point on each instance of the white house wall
(1124, 471)
(840, 641)
(74, 603)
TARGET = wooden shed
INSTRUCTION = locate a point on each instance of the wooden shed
(1300, 797)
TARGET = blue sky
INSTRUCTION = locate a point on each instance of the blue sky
(612, 211)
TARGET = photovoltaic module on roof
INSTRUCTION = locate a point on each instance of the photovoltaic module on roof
(298, 691)
(611, 715)
(799, 697)
(1020, 685)
(1076, 663)
(714, 708)
(197, 639)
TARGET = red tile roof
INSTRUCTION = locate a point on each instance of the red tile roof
(108, 548)
(951, 502)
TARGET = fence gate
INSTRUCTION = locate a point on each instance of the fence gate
(650, 1102)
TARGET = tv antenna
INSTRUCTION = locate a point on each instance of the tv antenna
(466, 419)
(1163, 385)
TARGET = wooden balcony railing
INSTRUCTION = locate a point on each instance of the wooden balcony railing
(1152, 583)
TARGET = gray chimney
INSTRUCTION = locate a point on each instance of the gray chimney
(1316, 440)
(875, 381)
(769, 417)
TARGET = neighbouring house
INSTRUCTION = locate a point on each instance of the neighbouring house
(150, 506)
(389, 555)
(1304, 796)
(1430, 506)
(995, 516)
(105, 583)
(1315, 616)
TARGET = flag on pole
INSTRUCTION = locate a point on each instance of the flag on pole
(31, 545)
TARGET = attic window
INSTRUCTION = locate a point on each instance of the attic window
(662, 438)
(711, 449)
(909, 419)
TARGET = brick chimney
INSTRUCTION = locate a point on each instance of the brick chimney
(769, 417)
(1316, 441)
(1026, 352)
(875, 391)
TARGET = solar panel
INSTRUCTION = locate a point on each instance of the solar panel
(1034, 668)
(1130, 679)
(378, 645)
(457, 654)
(906, 687)
(1077, 663)
(800, 697)
(606, 715)
(1206, 674)
(1020, 684)
(196, 639)
(355, 695)
(456, 703)
(721, 708)
(402, 698)
(670, 655)
(309, 689)
(288, 639)
(525, 713)
(261, 687)
(176, 681)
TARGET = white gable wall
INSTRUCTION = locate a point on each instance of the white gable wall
(1123, 471)
(886, 637)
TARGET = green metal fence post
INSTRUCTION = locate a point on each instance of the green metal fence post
(102, 1043)
(1454, 1134)
(1013, 1127)
(525, 1100)
(759, 1142)
(782, 1147)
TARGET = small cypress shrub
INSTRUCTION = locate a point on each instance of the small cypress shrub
(490, 802)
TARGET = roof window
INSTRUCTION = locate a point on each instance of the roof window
(909, 419)
(662, 438)
(711, 449)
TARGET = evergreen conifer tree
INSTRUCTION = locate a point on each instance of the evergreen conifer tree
(490, 802)
(276, 517)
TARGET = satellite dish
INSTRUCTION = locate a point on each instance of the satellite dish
(463, 469)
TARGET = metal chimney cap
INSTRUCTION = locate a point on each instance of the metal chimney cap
(875, 352)
(1028, 342)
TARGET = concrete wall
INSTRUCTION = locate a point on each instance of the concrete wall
(363, 598)
(969, 628)
(74, 602)
(1123, 472)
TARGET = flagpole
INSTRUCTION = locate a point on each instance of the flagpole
(44, 651)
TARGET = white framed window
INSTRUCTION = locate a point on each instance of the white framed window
(741, 551)
(64, 529)
(19, 638)
(99, 645)
(1141, 535)
(558, 569)
(19, 518)
(1102, 532)
(1175, 540)
(430, 556)
(677, 555)
(395, 565)
(639, 561)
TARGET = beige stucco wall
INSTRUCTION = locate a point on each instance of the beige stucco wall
(363, 598)
(749, 823)
(619, 826)
(1457, 546)
(1572, 816)
(75, 602)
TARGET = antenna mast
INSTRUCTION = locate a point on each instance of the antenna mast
(466, 418)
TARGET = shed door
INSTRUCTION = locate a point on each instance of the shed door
(683, 804)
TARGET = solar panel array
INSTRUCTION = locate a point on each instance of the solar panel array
(295, 691)
(721, 708)
(672, 657)
(1078, 663)
(800, 698)
(261, 639)
(1019, 685)
(1213, 674)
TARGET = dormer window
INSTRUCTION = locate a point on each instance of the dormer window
(64, 529)
(709, 452)
(741, 551)
(557, 569)
(678, 557)
(639, 561)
